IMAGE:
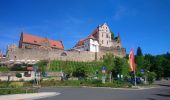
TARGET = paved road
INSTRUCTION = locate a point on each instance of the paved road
(160, 93)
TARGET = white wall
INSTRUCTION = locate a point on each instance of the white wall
(92, 45)
(89, 45)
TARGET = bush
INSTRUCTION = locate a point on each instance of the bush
(16, 84)
(4, 69)
(17, 90)
(80, 72)
(27, 84)
(151, 76)
(3, 84)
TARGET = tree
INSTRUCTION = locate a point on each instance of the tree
(166, 67)
(139, 52)
(121, 67)
(112, 35)
(139, 59)
(148, 62)
(118, 67)
(108, 61)
(151, 76)
(157, 66)
(42, 65)
(80, 72)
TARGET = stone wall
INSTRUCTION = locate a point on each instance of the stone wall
(38, 54)
(20, 54)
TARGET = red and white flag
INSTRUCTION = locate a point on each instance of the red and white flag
(132, 60)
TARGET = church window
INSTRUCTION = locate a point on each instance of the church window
(107, 42)
(102, 41)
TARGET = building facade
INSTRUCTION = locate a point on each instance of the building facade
(104, 40)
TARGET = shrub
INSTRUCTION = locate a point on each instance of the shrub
(16, 84)
(151, 76)
(4, 69)
(3, 84)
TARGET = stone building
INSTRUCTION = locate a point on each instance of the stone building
(32, 49)
(104, 40)
(29, 41)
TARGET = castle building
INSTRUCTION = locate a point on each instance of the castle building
(101, 38)
(32, 48)
(29, 41)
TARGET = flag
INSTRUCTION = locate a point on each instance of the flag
(132, 60)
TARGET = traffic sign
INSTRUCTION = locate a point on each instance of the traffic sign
(104, 69)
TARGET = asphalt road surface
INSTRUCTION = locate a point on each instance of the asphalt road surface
(162, 92)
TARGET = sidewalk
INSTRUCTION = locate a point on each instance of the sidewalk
(29, 96)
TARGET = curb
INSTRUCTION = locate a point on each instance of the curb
(29, 96)
(133, 88)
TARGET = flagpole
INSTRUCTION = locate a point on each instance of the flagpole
(135, 76)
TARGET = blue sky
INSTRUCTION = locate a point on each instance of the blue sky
(144, 23)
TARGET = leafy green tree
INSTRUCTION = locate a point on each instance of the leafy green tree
(148, 62)
(118, 66)
(139, 59)
(112, 35)
(139, 52)
(166, 67)
(42, 65)
(80, 72)
(121, 67)
(108, 61)
(125, 69)
(157, 66)
(150, 77)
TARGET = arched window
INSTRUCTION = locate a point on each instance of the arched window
(118, 47)
(64, 54)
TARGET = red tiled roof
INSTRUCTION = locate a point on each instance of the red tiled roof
(59, 44)
(81, 42)
(93, 35)
(28, 38)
